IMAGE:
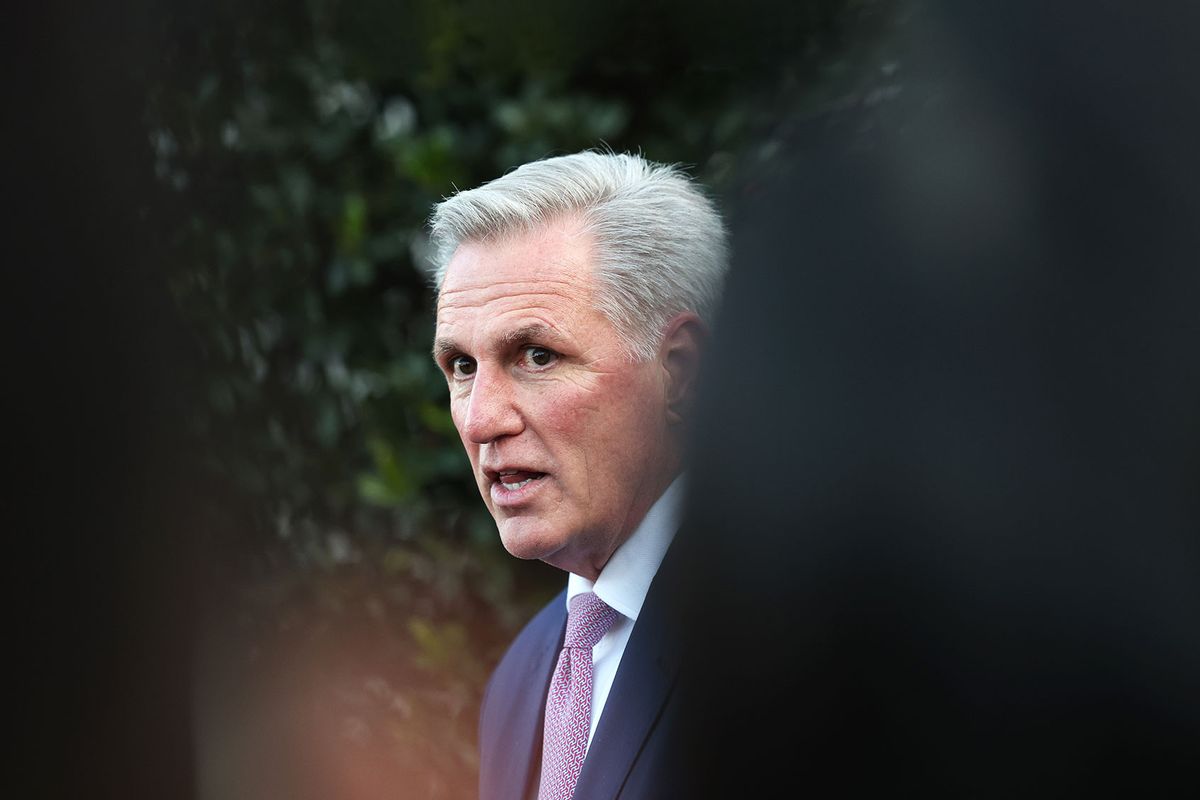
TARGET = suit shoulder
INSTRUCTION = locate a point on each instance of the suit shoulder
(545, 630)
(526, 663)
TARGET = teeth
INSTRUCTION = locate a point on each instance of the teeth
(512, 487)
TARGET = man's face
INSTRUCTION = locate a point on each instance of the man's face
(569, 442)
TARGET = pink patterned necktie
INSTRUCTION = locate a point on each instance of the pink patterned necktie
(569, 702)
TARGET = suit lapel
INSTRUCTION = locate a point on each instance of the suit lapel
(639, 692)
(521, 744)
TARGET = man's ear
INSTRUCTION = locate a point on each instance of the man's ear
(682, 346)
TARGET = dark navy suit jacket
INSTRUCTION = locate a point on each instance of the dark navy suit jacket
(635, 750)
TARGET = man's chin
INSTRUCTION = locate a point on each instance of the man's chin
(531, 542)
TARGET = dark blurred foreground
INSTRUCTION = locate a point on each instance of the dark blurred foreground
(949, 483)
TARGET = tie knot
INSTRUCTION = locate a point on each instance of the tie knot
(588, 619)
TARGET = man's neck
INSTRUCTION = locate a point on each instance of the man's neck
(626, 576)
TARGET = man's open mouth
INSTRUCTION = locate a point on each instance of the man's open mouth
(515, 479)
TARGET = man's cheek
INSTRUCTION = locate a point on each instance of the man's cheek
(569, 413)
(456, 418)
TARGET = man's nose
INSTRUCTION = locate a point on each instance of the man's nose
(491, 409)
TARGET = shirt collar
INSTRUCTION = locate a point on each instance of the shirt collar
(626, 577)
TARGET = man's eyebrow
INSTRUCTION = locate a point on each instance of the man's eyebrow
(531, 333)
(536, 332)
(443, 348)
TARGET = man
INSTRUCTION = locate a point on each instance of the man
(574, 295)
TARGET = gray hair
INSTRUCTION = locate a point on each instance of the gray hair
(660, 243)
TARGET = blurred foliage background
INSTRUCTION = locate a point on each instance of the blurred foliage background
(358, 595)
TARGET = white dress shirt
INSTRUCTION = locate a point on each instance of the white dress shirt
(623, 584)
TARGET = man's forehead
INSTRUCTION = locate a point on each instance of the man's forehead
(560, 250)
(504, 287)
(502, 315)
(489, 287)
(502, 305)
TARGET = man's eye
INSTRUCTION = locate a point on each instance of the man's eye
(540, 356)
(462, 366)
